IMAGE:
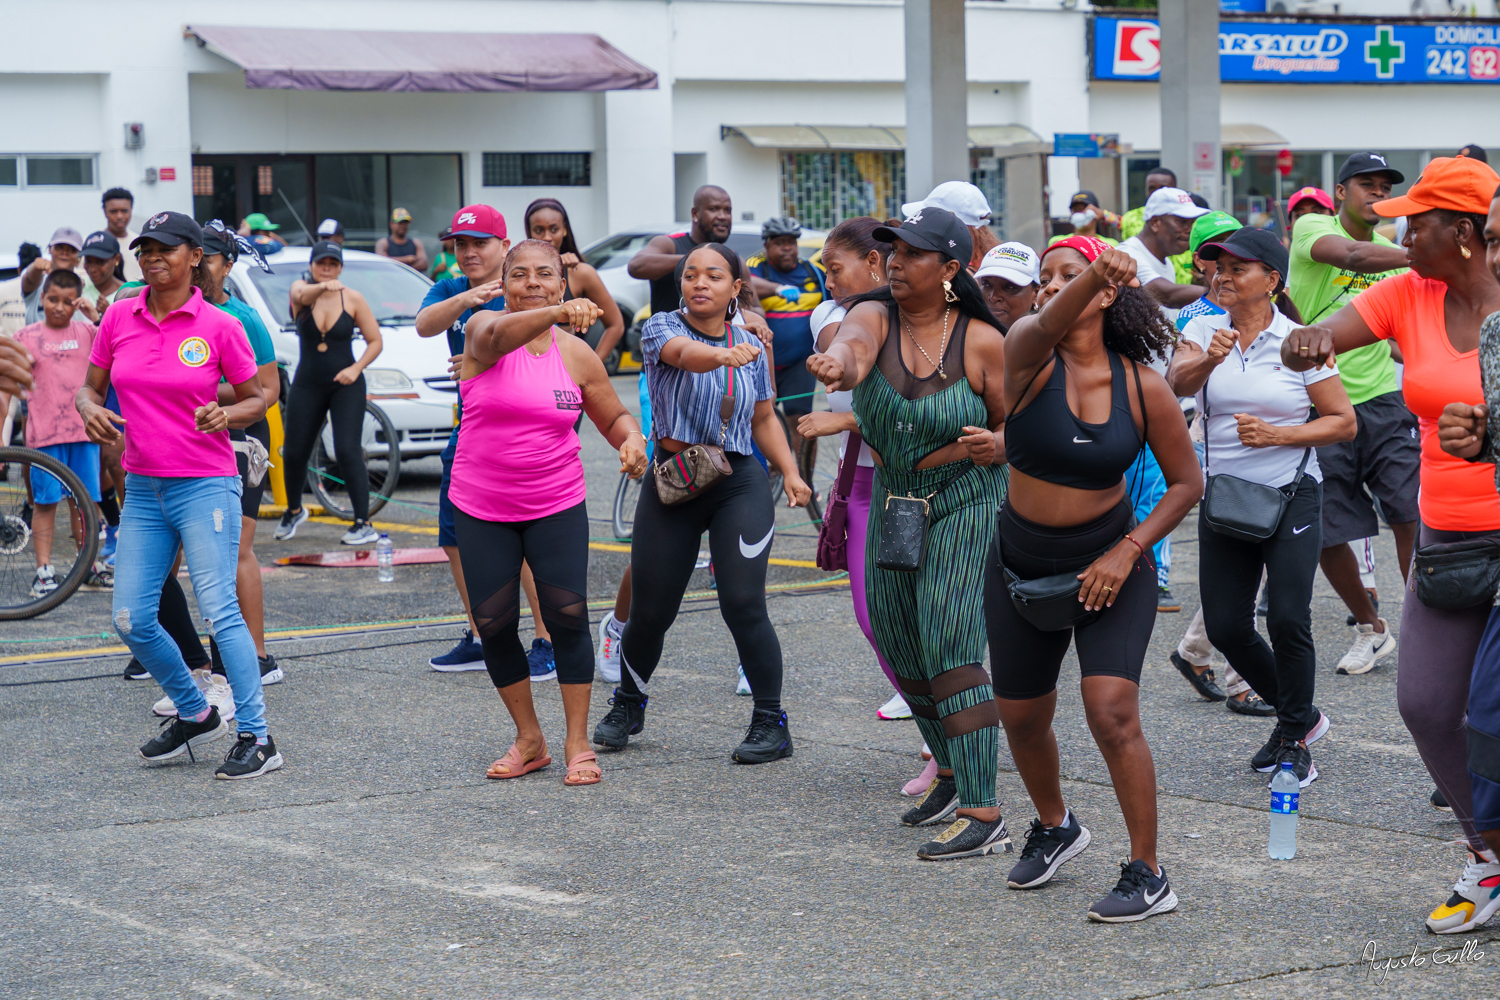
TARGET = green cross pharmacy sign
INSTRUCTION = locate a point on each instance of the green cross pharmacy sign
(1384, 51)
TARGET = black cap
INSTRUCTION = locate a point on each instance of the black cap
(170, 228)
(100, 245)
(1475, 152)
(1369, 163)
(931, 229)
(218, 241)
(1085, 196)
(326, 248)
(1250, 244)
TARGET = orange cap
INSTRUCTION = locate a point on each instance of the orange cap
(1457, 183)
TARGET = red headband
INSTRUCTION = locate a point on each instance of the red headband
(1090, 246)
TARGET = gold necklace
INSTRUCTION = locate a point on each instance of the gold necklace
(942, 347)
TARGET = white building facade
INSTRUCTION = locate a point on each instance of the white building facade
(791, 105)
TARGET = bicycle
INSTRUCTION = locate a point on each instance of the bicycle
(381, 445)
(18, 557)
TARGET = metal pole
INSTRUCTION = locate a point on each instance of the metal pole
(1190, 140)
(937, 132)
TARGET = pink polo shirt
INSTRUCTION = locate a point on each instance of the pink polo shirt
(162, 373)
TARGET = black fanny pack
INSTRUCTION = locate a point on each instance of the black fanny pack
(1050, 603)
(1239, 508)
(1456, 576)
(903, 528)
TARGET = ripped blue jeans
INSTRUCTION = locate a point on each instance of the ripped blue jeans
(202, 515)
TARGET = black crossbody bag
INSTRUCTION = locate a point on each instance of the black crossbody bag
(1239, 508)
(1456, 576)
(903, 528)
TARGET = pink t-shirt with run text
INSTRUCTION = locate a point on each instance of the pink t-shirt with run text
(62, 361)
(162, 373)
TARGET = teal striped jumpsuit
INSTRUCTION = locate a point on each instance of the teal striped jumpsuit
(930, 625)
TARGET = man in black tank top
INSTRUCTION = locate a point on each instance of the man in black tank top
(713, 213)
(397, 247)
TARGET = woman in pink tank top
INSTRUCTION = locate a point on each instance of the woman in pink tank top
(519, 492)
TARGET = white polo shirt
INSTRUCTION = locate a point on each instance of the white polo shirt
(1149, 267)
(1254, 381)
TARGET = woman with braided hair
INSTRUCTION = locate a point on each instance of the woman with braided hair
(925, 360)
(1082, 404)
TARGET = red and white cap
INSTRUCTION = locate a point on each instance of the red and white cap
(479, 221)
(1172, 201)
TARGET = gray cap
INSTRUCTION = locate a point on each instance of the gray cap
(67, 235)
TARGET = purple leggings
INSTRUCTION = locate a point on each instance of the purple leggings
(858, 524)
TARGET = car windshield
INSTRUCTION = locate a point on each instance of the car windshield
(617, 250)
(394, 291)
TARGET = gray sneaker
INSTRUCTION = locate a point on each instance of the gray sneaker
(1139, 894)
(290, 522)
(361, 534)
(1047, 849)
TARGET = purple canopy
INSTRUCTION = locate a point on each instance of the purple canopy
(454, 62)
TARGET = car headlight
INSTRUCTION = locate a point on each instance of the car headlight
(386, 380)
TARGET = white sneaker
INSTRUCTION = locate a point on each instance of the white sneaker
(1369, 646)
(44, 583)
(215, 689)
(1474, 899)
(896, 708)
(743, 687)
(607, 660)
(361, 534)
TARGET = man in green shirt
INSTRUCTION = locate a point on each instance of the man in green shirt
(1334, 258)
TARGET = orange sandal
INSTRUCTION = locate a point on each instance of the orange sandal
(515, 766)
(584, 764)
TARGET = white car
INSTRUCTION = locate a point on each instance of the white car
(409, 380)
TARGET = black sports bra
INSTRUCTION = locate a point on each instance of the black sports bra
(1057, 447)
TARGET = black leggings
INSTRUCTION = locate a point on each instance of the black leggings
(1024, 659)
(177, 621)
(1228, 578)
(556, 547)
(739, 516)
(308, 402)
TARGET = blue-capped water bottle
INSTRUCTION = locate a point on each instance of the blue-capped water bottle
(1284, 795)
(385, 559)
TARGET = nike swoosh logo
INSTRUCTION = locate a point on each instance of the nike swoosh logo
(1079, 440)
(1298, 531)
(1048, 857)
(752, 551)
(1151, 900)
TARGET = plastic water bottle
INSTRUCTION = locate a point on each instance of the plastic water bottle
(1284, 794)
(385, 559)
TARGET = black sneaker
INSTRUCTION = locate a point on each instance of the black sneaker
(179, 736)
(270, 670)
(290, 522)
(1205, 683)
(249, 759)
(966, 838)
(1251, 704)
(1047, 848)
(1265, 758)
(625, 719)
(768, 738)
(1438, 802)
(135, 670)
(936, 804)
(1301, 760)
(1139, 894)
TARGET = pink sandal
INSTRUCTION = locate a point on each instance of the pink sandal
(516, 766)
(583, 764)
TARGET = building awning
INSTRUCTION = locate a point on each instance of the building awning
(1004, 139)
(407, 61)
(1248, 136)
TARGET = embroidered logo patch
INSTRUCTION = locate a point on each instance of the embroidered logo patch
(156, 220)
(193, 352)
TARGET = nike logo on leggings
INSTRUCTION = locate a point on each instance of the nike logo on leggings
(753, 551)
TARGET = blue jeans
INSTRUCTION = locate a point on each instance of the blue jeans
(202, 515)
(1146, 486)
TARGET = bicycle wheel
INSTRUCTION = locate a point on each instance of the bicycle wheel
(382, 450)
(626, 496)
(71, 560)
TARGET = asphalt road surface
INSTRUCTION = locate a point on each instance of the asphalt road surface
(380, 863)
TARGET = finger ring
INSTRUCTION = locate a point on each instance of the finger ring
(1302, 349)
(1108, 589)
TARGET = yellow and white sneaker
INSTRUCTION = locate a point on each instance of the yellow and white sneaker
(1476, 897)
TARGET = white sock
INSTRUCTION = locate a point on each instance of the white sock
(614, 626)
(1488, 855)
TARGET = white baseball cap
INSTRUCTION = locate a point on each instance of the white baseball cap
(959, 197)
(1172, 201)
(328, 227)
(1017, 263)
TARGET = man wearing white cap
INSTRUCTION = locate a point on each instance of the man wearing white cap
(64, 250)
(1169, 215)
(1010, 276)
(970, 205)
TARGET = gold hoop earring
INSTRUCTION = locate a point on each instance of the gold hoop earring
(1465, 252)
(948, 294)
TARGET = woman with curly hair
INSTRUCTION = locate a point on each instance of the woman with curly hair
(1082, 403)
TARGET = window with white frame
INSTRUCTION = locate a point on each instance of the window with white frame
(46, 170)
